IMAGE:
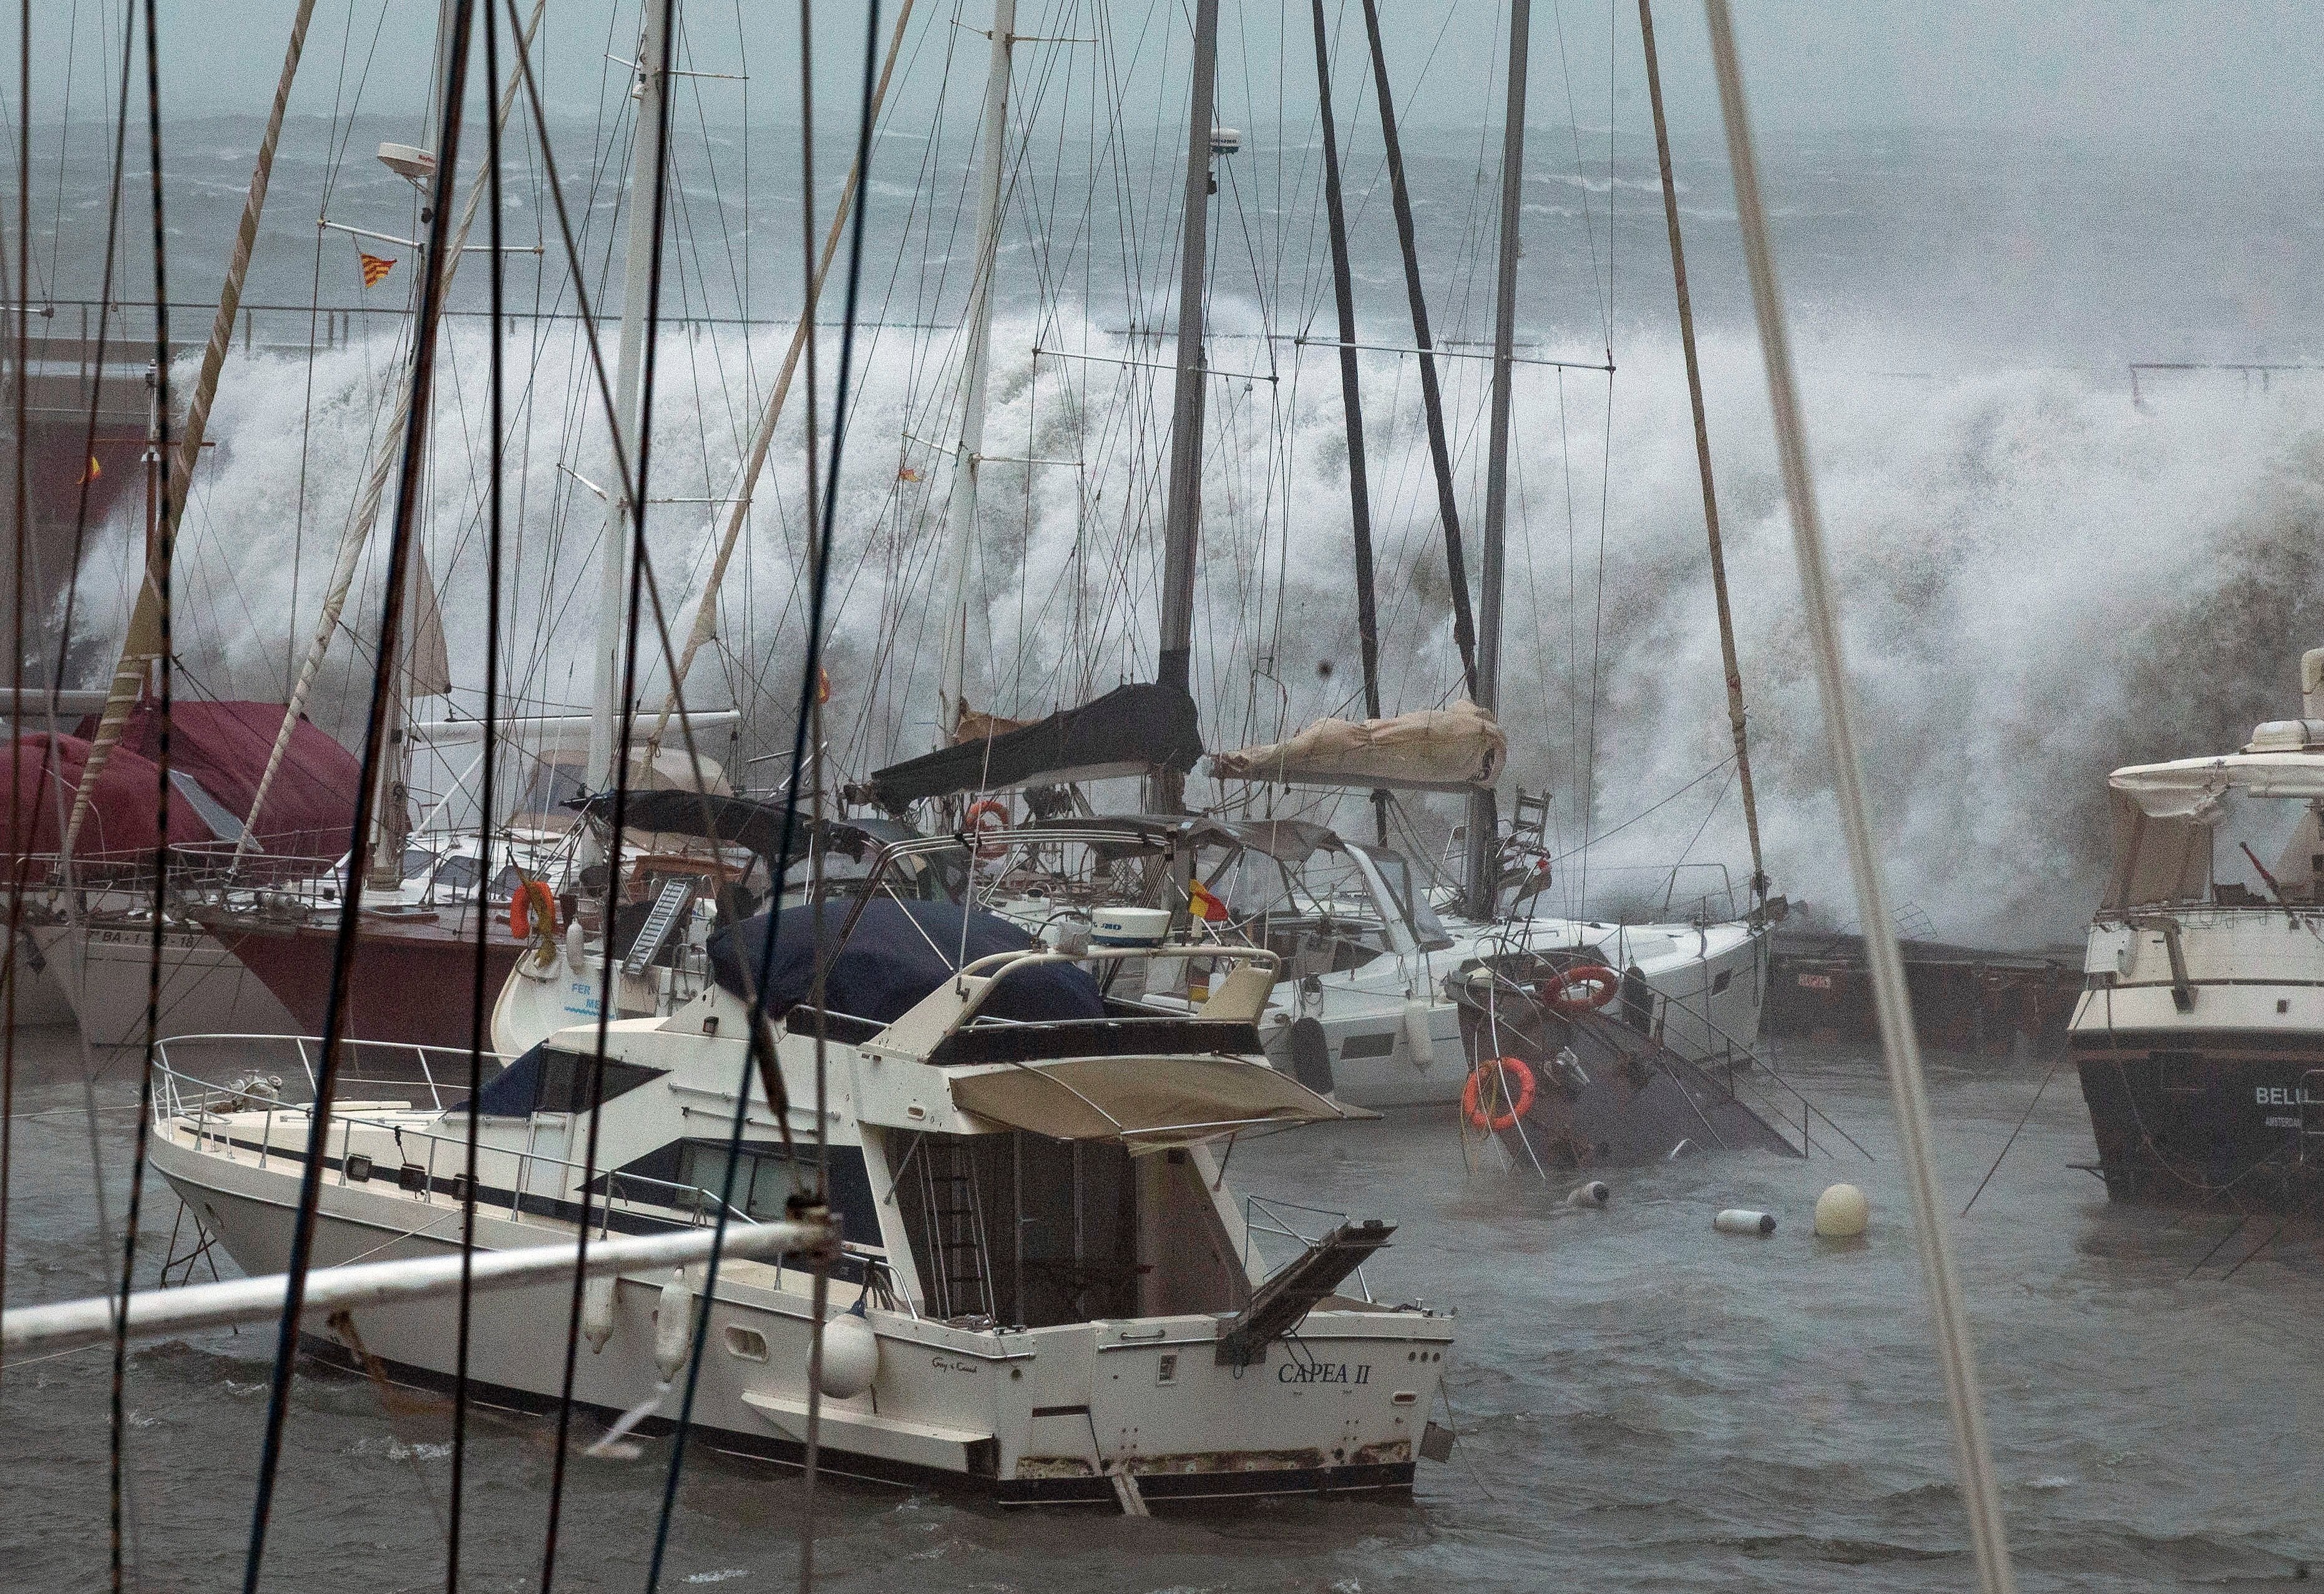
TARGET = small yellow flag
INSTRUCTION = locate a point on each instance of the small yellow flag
(907, 473)
(93, 471)
(374, 268)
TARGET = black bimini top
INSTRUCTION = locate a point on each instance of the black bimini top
(1129, 730)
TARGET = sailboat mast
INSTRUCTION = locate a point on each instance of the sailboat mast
(609, 718)
(1735, 717)
(1432, 401)
(968, 454)
(1484, 823)
(390, 808)
(1182, 521)
(1351, 399)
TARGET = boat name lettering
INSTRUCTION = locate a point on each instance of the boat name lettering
(1324, 1372)
(2285, 1096)
(951, 1364)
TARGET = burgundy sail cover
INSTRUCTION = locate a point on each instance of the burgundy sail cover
(223, 747)
(47, 773)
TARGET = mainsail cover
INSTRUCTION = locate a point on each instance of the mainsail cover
(1455, 749)
(1130, 731)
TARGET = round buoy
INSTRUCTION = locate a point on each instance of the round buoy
(1744, 1220)
(1841, 1211)
(850, 1357)
(1592, 1194)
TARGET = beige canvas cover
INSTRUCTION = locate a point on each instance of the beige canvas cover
(2194, 788)
(2165, 859)
(1452, 748)
(1146, 1103)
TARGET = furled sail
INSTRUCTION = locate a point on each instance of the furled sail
(1455, 749)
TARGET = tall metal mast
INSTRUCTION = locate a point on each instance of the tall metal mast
(1431, 402)
(968, 455)
(1351, 400)
(1182, 521)
(1735, 719)
(609, 717)
(1484, 823)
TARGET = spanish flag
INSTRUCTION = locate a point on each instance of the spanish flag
(374, 268)
(1205, 905)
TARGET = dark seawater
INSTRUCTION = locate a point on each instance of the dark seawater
(1642, 1403)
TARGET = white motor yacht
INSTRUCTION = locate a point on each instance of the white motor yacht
(1048, 1291)
(2199, 1033)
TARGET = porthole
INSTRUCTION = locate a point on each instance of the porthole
(358, 1168)
(749, 1344)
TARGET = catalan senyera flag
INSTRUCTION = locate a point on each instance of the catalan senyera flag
(1205, 905)
(375, 267)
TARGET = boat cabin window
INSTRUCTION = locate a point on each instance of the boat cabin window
(765, 1176)
(1395, 871)
(546, 1081)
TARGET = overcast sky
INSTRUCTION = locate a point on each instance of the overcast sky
(2102, 70)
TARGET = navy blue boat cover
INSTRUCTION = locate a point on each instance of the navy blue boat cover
(898, 953)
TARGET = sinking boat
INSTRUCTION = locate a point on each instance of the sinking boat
(1047, 1290)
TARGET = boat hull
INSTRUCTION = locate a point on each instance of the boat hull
(1702, 994)
(104, 974)
(2207, 1119)
(1046, 1416)
(413, 983)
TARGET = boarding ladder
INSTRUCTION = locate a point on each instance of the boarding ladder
(655, 932)
(954, 1214)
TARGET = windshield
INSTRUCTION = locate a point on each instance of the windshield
(1396, 873)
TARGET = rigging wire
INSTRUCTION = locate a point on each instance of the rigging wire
(486, 810)
(1956, 1348)
(809, 679)
(159, 564)
(24, 548)
(664, 38)
(400, 551)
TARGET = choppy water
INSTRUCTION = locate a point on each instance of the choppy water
(1642, 1403)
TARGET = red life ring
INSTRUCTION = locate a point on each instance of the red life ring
(1494, 1075)
(988, 817)
(1582, 987)
(533, 897)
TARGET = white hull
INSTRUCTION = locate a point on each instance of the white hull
(39, 995)
(951, 1402)
(103, 975)
(1709, 983)
(1123, 1380)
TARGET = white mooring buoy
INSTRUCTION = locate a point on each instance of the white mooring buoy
(1744, 1220)
(1841, 1212)
(1592, 1194)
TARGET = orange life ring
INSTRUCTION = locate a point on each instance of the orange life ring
(988, 817)
(1582, 987)
(532, 896)
(1495, 1074)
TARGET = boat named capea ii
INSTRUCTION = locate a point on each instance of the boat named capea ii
(1046, 1291)
(2199, 1033)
